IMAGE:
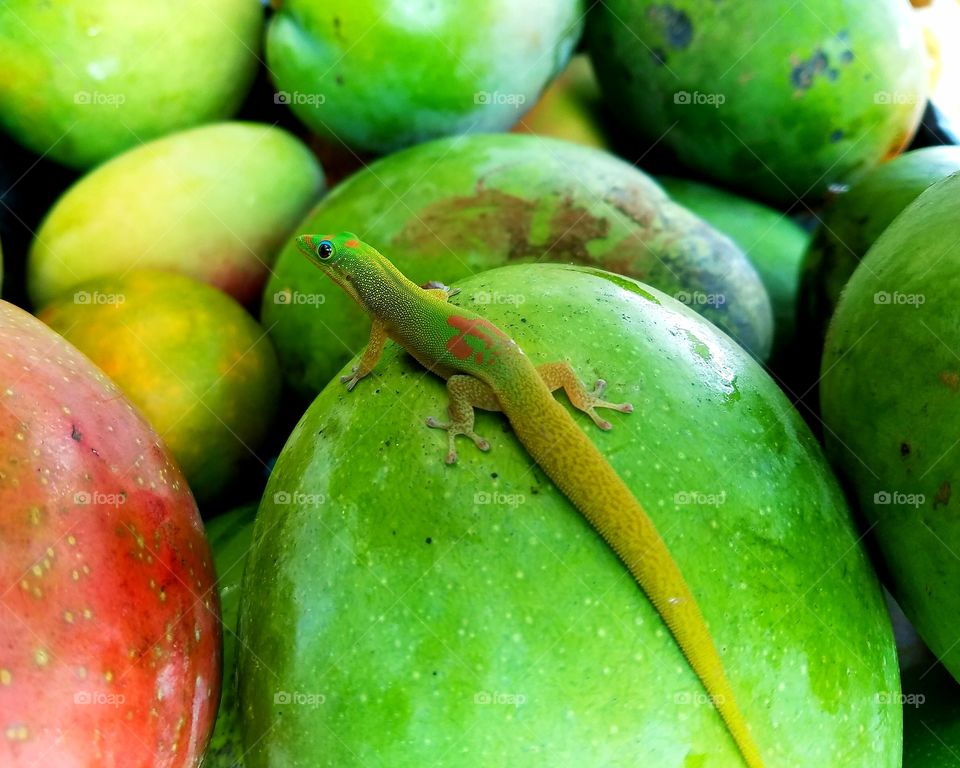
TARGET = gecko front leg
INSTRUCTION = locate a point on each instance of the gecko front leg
(466, 393)
(371, 354)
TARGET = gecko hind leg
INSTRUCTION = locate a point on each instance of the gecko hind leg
(561, 375)
(466, 393)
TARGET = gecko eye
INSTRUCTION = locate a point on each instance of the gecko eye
(325, 249)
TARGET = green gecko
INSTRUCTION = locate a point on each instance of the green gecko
(485, 369)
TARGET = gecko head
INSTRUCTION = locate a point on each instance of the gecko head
(345, 259)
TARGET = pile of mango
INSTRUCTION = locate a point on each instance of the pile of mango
(742, 216)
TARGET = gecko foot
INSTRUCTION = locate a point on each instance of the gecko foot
(454, 429)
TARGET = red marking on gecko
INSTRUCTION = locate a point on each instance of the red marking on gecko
(458, 346)
(352, 243)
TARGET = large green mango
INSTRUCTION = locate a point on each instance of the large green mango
(854, 219)
(890, 400)
(778, 98)
(401, 612)
(378, 75)
(453, 207)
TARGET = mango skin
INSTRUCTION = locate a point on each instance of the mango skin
(811, 92)
(86, 79)
(404, 591)
(213, 202)
(379, 75)
(855, 218)
(456, 206)
(931, 718)
(773, 242)
(229, 535)
(889, 396)
(200, 369)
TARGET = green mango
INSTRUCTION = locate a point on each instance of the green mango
(779, 99)
(773, 242)
(889, 400)
(854, 219)
(379, 75)
(230, 535)
(457, 206)
(84, 80)
(931, 719)
(213, 202)
(399, 611)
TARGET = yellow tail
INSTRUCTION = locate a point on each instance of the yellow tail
(578, 469)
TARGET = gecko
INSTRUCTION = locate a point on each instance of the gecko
(485, 368)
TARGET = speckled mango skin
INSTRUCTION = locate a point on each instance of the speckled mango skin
(888, 397)
(457, 206)
(213, 202)
(855, 219)
(108, 585)
(85, 80)
(378, 75)
(813, 91)
(404, 591)
(200, 368)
